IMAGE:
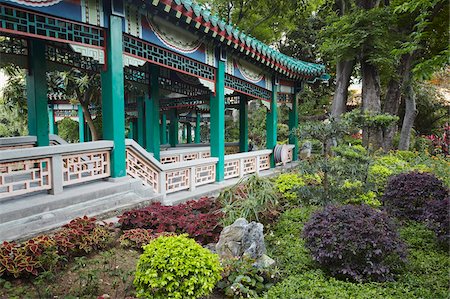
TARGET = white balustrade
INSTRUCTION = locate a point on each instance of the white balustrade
(26, 170)
(238, 165)
(9, 143)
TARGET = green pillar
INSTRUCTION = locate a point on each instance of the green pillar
(38, 124)
(131, 130)
(197, 127)
(293, 125)
(173, 129)
(163, 133)
(189, 133)
(51, 120)
(271, 123)
(80, 123)
(217, 112)
(113, 104)
(243, 124)
(88, 135)
(152, 114)
(183, 132)
(140, 122)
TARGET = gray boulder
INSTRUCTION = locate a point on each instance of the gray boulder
(242, 238)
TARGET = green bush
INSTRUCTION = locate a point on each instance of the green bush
(176, 267)
(241, 279)
(289, 183)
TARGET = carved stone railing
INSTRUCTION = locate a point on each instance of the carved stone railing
(8, 143)
(192, 151)
(171, 177)
(27, 170)
(238, 165)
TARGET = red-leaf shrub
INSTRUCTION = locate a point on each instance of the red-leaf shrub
(199, 219)
(437, 218)
(138, 237)
(407, 194)
(355, 242)
(43, 252)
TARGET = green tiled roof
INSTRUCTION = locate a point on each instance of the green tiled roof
(200, 17)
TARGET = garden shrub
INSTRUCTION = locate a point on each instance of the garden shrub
(289, 183)
(241, 279)
(407, 194)
(355, 242)
(138, 237)
(176, 267)
(253, 198)
(437, 217)
(199, 219)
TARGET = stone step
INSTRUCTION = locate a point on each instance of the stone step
(102, 208)
(25, 206)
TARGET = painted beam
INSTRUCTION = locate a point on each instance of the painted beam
(113, 104)
(38, 120)
(152, 114)
(173, 129)
(243, 124)
(271, 123)
(163, 133)
(217, 125)
(197, 128)
(80, 123)
(140, 134)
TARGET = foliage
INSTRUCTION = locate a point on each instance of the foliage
(437, 217)
(441, 143)
(176, 267)
(68, 130)
(355, 242)
(200, 219)
(407, 194)
(253, 198)
(288, 183)
(13, 120)
(138, 237)
(242, 279)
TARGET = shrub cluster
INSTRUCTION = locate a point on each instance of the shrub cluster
(407, 194)
(355, 242)
(176, 267)
(437, 218)
(81, 235)
(199, 219)
(138, 237)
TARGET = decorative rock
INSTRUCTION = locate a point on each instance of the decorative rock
(242, 238)
(264, 262)
(211, 247)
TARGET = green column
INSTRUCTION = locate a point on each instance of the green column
(217, 129)
(293, 125)
(113, 104)
(243, 124)
(131, 130)
(183, 132)
(80, 123)
(51, 120)
(152, 114)
(271, 123)
(197, 127)
(173, 129)
(87, 135)
(163, 133)
(189, 133)
(38, 124)
(140, 122)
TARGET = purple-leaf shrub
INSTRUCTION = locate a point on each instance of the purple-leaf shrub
(355, 242)
(437, 218)
(407, 194)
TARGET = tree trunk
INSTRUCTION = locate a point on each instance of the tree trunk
(344, 71)
(410, 116)
(87, 115)
(371, 102)
(393, 95)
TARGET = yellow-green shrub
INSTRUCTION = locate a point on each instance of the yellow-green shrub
(287, 183)
(176, 267)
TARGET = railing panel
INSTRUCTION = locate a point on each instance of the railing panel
(264, 162)
(231, 169)
(205, 174)
(177, 180)
(85, 166)
(170, 159)
(138, 168)
(25, 176)
(249, 165)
